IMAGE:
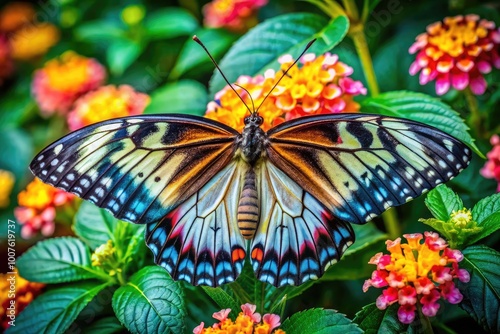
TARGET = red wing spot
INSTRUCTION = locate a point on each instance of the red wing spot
(257, 254)
(238, 254)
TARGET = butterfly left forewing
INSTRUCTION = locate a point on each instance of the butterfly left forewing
(141, 167)
(359, 165)
(297, 237)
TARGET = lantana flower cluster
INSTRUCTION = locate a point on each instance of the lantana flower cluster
(72, 85)
(457, 52)
(247, 322)
(417, 273)
(322, 85)
(25, 292)
(37, 208)
(491, 169)
(28, 38)
(234, 15)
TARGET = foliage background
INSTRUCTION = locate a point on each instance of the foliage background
(157, 56)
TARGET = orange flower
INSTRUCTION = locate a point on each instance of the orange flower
(321, 86)
(105, 103)
(37, 208)
(16, 14)
(6, 62)
(235, 15)
(62, 80)
(457, 53)
(415, 272)
(6, 185)
(247, 322)
(491, 170)
(34, 40)
(15, 294)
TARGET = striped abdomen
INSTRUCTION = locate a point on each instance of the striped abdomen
(248, 207)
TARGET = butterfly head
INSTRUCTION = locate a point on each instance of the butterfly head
(254, 120)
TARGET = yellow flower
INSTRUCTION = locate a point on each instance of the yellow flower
(14, 288)
(461, 218)
(320, 86)
(34, 40)
(62, 80)
(105, 103)
(6, 184)
(103, 254)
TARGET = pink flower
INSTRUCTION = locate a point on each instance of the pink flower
(272, 319)
(199, 329)
(421, 270)
(456, 53)
(222, 314)
(61, 81)
(491, 169)
(235, 15)
(249, 310)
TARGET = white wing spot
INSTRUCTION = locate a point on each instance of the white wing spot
(53, 178)
(70, 177)
(42, 164)
(85, 183)
(450, 157)
(409, 198)
(442, 164)
(438, 181)
(134, 120)
(40, 158)
(54, 162)
(58, 149)
(44, 172)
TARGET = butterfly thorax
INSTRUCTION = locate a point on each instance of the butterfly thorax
(252, 139)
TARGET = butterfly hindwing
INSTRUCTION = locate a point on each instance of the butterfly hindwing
(297, 237)
(141, 167)
(199, 241)
(359, 165)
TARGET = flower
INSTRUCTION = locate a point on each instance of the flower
(37, 208)
(247, 322)
(6, 185)
(417, 272)
(34, 40)
(15, 15)
(15, 290)
(6, 61)
(105, 103)
(235, 15)
(457, 52)
(491, 169)
(62, 80)
(321, 86)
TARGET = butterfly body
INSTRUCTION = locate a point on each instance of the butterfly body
(286, 198)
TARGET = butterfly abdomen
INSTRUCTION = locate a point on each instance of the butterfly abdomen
(248, 207)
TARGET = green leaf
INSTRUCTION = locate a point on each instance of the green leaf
(93, 225)
(319, 321)
(57, 260)
(99, 30)
(421, 108)
(15, 143)
(487, 215)
(182, 97)
(193, 57)
(372, 320)
(169, 23)
(482, 293)
(259, 49)
(151, 302)
(121, 53)
(55, 310)
(442, 201)
(223, 299)
(107, 325)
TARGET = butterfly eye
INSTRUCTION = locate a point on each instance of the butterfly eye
(260, 119)
(246, 120)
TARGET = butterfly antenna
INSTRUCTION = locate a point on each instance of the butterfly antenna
(197, 40)
(249, 95)
(285, 73)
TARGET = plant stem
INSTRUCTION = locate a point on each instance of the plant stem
(475, 114)
(424, 320)
(357, 34)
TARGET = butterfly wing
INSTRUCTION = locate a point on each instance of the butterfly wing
(141, 167)
(359, 165)
(199, 241)
(297, 237)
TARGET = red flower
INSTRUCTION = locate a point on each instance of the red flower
(235, 15)
(491, 169)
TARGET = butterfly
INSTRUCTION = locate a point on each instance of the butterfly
(286, 198)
